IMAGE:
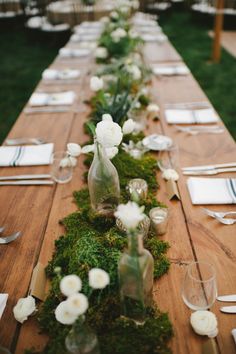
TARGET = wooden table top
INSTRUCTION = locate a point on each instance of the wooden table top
(36, 210)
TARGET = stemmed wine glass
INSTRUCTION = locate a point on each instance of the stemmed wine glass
(199, 290)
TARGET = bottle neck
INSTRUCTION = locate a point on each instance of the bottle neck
(135, 243)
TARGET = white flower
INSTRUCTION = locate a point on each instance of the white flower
(74, 149)
(118, 34)
(63, 315)
(77, 304)
(128, 126)
(108, 133)
(134, 71)
(72, 161)
(114, 15)
(130, 214)
(107, 117)
(98, 278)
(24, 308)
(170, 174)
(112, 152)
(70, 285)
(133, 34)
(96, 83)
(137, 105)
(104, 19)
(152, 107)
(87, 148)
(124, 9)
(204, 323)
(101, 53)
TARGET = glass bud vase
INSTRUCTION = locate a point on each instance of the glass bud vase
(103, 183)
(135, 270)
(82, 340)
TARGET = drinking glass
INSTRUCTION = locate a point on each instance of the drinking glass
(199, 287)
(61, 168)
(170, 157)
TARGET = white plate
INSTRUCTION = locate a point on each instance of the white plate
(157, 142)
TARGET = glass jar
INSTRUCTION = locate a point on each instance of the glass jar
(135, 270)
(103, 183)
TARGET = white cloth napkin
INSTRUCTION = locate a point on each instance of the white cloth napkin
(212, 190)
(52, 74)
(170, 70)
(52, 99)
(29, 155)
(187, 116)
(3, 302)
(74, 52)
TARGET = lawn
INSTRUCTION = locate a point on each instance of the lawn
(218, 81)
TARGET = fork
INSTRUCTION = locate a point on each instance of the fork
(220, 214)
(8, 239)
(23, 141)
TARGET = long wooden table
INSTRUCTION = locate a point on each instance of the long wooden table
(192, 235)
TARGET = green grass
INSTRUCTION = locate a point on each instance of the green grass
(22, 61)
(218, 81)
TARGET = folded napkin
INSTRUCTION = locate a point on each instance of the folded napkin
(187, 116)
(52, 99)
(30, 155)
(74, 52)
(52, 74)
(170, 70)
(153, 37)
(212, 190)
(3, 302)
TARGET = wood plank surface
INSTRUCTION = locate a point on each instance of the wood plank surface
(37, 210)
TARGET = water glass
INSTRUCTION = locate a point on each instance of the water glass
(199, 290)
(61, 168)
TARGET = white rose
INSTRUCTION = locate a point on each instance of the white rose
(130, 214)
(24, 308)
(87, 148)
(74, 149)
(107, 117)
(98, 278)
(170, 174)
(96, 83)
(128, 126)
(101, 53)
(70, 285)
(152, 107)
(204, 323)
(108, 134)
(63, 315)
(77, 304)
(112, 152)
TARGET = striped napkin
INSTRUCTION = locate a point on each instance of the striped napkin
(29, 155)
(187, 116)
(212, 190)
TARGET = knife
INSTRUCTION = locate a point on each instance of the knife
(6, 178)
(228, 309)
(209, 171)
(209, 167)
(227, 298)
(26, 183)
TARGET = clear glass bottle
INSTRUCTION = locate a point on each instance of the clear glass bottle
(82, 340)
(103, 183)
(135, 270)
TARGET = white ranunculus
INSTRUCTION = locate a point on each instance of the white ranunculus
(74, 149)
(107, 117)
(134, 71)
(98, 278)
(112, 152)
(96, 83)
(117, 34)
(128, 126)
(108, 134)
(24, 308)
(87, 148)
(204, 323)
(152, 107)
(63, 315)
(77, 304)
(130, 215)
(70, 285)
(170, 174)
(101, 53)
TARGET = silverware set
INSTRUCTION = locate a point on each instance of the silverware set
(220, 216)
(26, 180)
(227, 298)
(209, 170)
(195, 130)
(7, 239)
